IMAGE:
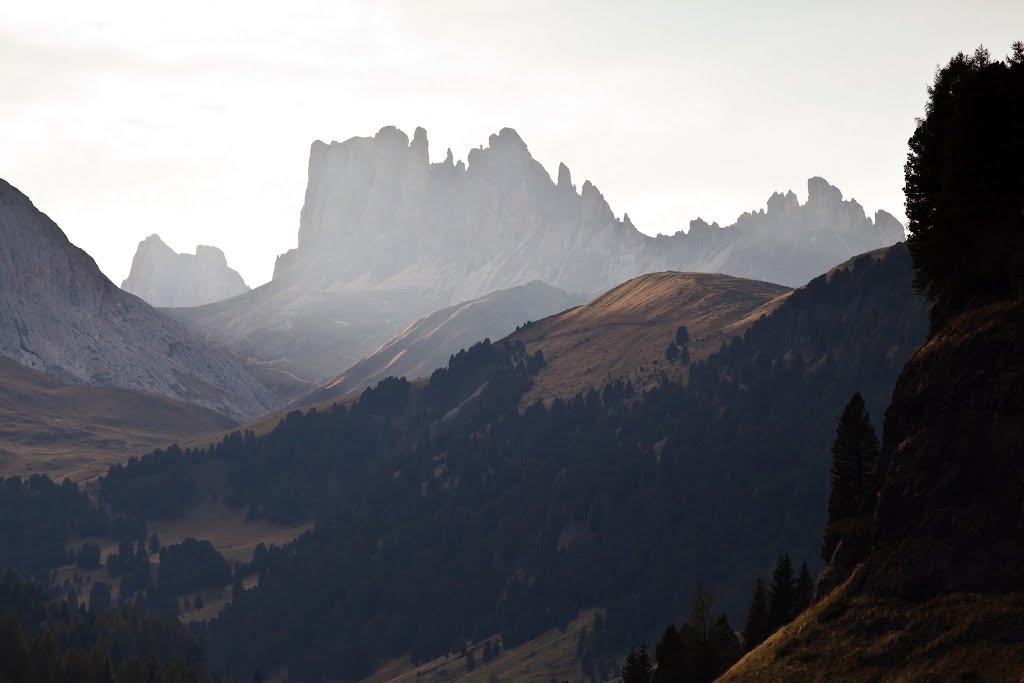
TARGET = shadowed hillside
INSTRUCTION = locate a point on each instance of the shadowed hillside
(925, 575)
(940, 595)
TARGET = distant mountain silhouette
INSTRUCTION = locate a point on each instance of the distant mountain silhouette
(386, 237)
(162, 277)
(59, 314)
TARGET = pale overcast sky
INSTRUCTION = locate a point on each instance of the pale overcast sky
(193, 119)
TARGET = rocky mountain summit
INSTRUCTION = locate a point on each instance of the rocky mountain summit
(59, 314)
(378, 213)
(162, 277)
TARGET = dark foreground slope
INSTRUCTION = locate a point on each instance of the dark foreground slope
(940, 595)
(447, 514)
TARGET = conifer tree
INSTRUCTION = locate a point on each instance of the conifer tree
(758, 625)
(804, 589)
(723, 646)
(854, 475)
(670, 655)
(963, 179)
(854, 461)
(682, 335)
(700, 612)
(782, 593)
(638, 667)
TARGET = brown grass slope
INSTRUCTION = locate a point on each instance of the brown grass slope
(48, 427)
(549, 656)
(939, 592)
(864, 638)
(624, 332)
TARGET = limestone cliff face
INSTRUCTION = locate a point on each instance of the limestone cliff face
(164, 278)
(60, 315)
(378, 213)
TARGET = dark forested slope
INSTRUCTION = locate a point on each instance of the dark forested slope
(446, 514)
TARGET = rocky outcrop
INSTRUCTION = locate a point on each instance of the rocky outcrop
(60, 315)
(162, 277)
(429, 342)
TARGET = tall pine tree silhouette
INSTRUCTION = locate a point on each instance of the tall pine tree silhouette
(758, 625)
(638, 667)
(670, 655)
(781, 597)
(854, 473)
(963, 184)
(804, 589)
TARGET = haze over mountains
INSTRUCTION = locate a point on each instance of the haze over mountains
(428, 343)
(164, 278)
(386, 237)
(62, 316)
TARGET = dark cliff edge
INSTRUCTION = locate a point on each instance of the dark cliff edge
(939, 592)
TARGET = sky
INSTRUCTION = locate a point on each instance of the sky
(193, 119)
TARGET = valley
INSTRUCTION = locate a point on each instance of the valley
(478, 427)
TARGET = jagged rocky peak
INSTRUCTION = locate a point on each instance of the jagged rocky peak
(565, 178)
(377, 213)
(167, 279)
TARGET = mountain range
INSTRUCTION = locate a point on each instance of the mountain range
(387, 237)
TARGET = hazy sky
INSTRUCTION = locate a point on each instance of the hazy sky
(193, 119)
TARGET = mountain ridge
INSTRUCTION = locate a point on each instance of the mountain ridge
(59, 314)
